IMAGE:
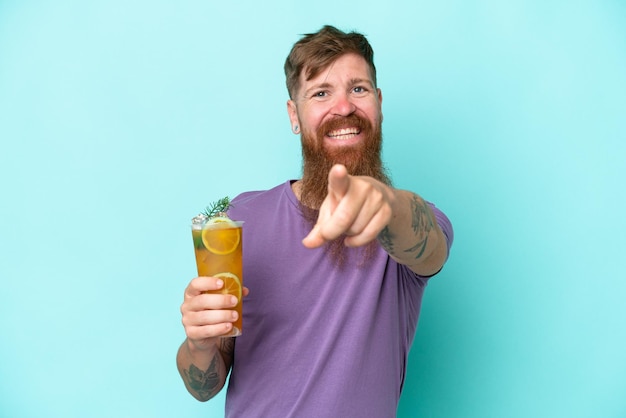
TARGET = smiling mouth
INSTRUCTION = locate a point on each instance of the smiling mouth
(345, 133)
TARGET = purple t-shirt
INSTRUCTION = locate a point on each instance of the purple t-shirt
(319, 340)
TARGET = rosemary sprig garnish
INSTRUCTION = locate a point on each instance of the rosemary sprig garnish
(215, 208)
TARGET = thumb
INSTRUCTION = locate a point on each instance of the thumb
(338, 181)
(314, 239)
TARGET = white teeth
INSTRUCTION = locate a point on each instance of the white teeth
(343, 132)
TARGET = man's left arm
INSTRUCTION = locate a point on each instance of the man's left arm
(413, 237)
(365, 209)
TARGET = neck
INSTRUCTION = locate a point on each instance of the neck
(296, 186)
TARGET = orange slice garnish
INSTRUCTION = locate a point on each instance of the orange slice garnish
(221, 236)
(232, 285)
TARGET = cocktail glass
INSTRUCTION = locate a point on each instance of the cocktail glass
(218, 247)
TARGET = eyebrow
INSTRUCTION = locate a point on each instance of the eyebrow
(325, 85)
(320, 86)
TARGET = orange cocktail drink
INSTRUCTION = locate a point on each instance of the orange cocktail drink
(218, 247)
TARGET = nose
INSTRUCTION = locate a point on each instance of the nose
(343, 106)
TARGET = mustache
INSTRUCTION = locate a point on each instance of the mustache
(350, 121)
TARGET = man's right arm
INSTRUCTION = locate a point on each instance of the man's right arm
(204, 371)
(205, 357)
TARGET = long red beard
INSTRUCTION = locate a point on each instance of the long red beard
(363, 159)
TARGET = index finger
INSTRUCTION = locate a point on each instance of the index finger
(202, 284)
(338, 181)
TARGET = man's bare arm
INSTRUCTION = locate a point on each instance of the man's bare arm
(412, 236)
(364, 209)
(204, 371)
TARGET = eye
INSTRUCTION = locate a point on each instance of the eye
(320, 94)
(359, 89)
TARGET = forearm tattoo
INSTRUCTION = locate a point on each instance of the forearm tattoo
(421, 223)
(386, 240)
(205, 382)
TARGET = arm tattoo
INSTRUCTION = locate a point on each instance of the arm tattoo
(422, 224)
(205, 382)
(386, 240)
(422, 221)
(208, 383)
(419, 247)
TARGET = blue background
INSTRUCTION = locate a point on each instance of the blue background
(120, 120)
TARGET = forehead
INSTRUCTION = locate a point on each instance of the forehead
(345, 68)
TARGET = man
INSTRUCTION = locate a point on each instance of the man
(335, 264)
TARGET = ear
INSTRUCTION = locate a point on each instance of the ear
(380, 103)
(292, 111)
